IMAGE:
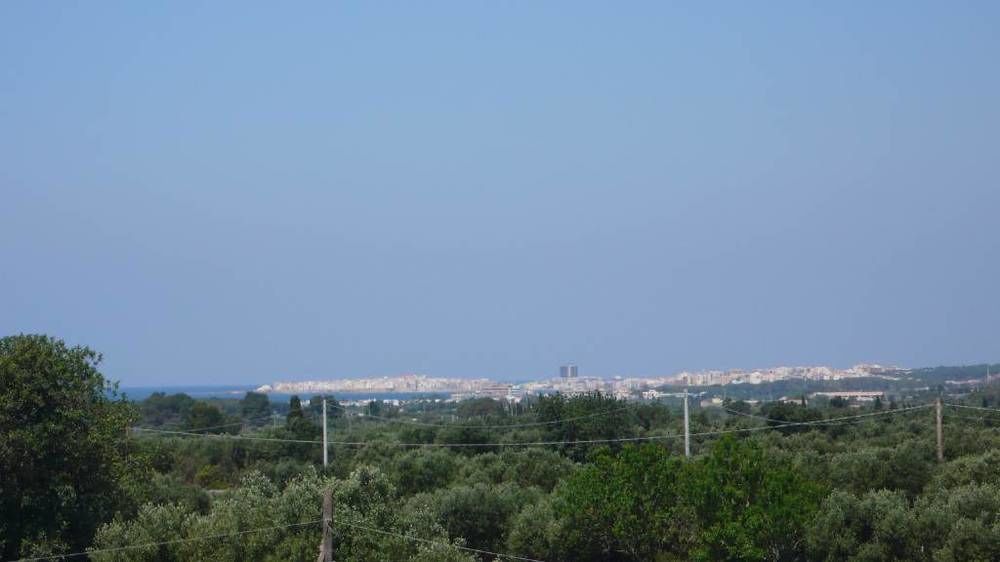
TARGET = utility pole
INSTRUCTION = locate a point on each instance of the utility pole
(326, 547)
(940, 433)
(324, 436)
(687, 427)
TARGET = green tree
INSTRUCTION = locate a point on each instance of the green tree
(478, 513)
(905, 466)
(64, 468)
(300, 427)
(737, 406)
(960, 524)
(333, 409)
(586, 416)
(876, 526)
(424, 470)
(480, 408)
(204, 415)
(254, 407)
(375, 408)
(294, 409)
(160, 408)
(788, 412)
(748, 505)
(735, 503)
(538, 531)
(621, 506)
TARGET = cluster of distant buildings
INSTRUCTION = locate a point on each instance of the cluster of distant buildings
(570, 382)
(758, 376)
(402, 383)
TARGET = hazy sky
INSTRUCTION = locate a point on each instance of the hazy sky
(234, 192)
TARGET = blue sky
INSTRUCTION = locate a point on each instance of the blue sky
(235, 192)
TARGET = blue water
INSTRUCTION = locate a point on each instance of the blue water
(139, 393)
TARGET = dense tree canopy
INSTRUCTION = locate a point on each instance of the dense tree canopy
(164, 409)
(205, 417)
(586, 477)
(64, 464)
(255, 407)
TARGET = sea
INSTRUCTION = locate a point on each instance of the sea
(139, 393)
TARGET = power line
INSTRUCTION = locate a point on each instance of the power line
(222, 436)
(241, 422)
(165, 543)
(973, 418)
(423, 424)
(994, 410)
(739, 413)
(495, 426)
(831, 421)
(408, 422)
(774, 420)
(441, 543)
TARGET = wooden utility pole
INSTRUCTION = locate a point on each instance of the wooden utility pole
(687, 427)
(326, 547)
(940, 433)
(324, 434)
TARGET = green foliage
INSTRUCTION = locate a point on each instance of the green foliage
(621, 506)
(961, 523)
(161, 409)
(333, 409)
(64, 465)
(958, 524)
(211, 476)
(424, 470)
(905, 467)
(733, 504)
(876, 526)
(481, 408)
(279, 524)
(376, 408)
(537, 530)
(204, 415)
(255, 408)
(162, 489)
(294, 409)
(866, 490)
(748, 506)
(538, 468)
(982, 468)
(589, 416)
(787, 412)
(737, 405)
(299, 427)
(478, 513)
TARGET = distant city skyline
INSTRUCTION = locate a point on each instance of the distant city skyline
(215, 195)
(623, 387)
(560, 375)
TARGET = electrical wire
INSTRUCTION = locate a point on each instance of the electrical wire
(226, 436)
(165, 543)
(426, 424)
(496, 426)
(241, 422)
(441, 543)
(824, 422)
(738, 413)
(830, 421)
(994, 410)
(950, 415)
